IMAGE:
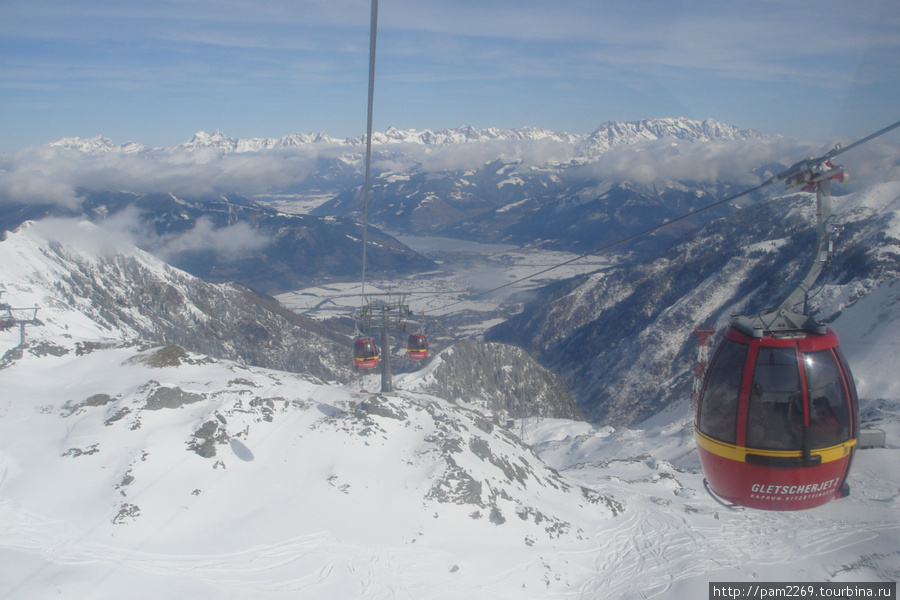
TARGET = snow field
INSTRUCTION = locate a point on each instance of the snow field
(310, 494)
(314, 499)
(323, 503)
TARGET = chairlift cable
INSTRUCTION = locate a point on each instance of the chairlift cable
(373, 29)
(841, 149)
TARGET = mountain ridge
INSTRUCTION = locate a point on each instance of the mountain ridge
(626, 333)
(607, 135)
(102, 290)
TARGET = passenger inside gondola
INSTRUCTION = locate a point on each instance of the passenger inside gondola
(825, 428)
(829, 418)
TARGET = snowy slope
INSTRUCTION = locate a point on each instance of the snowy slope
(136, 471)
(90, 285)
(186, 474)
(868, 309)
(158, 473)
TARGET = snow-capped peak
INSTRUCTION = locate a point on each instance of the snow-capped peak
(614, 133)
(606, 136)
(96, 144)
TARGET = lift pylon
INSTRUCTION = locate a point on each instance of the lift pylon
(11, 317)
(384, 311)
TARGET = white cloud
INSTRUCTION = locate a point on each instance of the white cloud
(474, 155)
(228, 243)
(706, 162)
(54, 175)
(231, 242)
(84, 235)
(127, 229)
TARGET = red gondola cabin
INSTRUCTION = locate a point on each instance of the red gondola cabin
(417, 347)
(365, 354)
(777, 420)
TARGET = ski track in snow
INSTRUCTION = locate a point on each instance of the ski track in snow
(655, 550)
(304, 564)
(669, 541)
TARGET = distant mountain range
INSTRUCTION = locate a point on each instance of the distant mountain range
(608, 135)
(564, 208)
(230, 238)
(528, 186)
(529, 194)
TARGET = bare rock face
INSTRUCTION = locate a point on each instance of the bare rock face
(502, 378)
(129, 295)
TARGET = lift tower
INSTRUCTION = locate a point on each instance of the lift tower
(384, 311)
(11, 317)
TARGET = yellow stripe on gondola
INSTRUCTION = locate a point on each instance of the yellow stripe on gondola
(739, 453)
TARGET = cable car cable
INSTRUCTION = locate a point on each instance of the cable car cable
(373, 30)
(842, 149)
(616, 243)
(784, 176)
(365, 352)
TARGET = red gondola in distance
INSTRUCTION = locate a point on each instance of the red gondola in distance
(417, 346)
(365, 353)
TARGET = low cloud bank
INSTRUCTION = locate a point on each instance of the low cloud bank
(228, 243)
(126, 230)
(231, 242)
(54, 175)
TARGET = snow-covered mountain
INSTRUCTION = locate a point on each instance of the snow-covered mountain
(219, 142)
(98, 143)
(146, 471)
(94, 287)
(556, 191)
(609, 134)
(625, 333)
(156, 457)
(616, 133)
(518, 389)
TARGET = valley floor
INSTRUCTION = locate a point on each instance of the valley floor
(455, 301)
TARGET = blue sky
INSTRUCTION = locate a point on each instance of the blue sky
(156, 71)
